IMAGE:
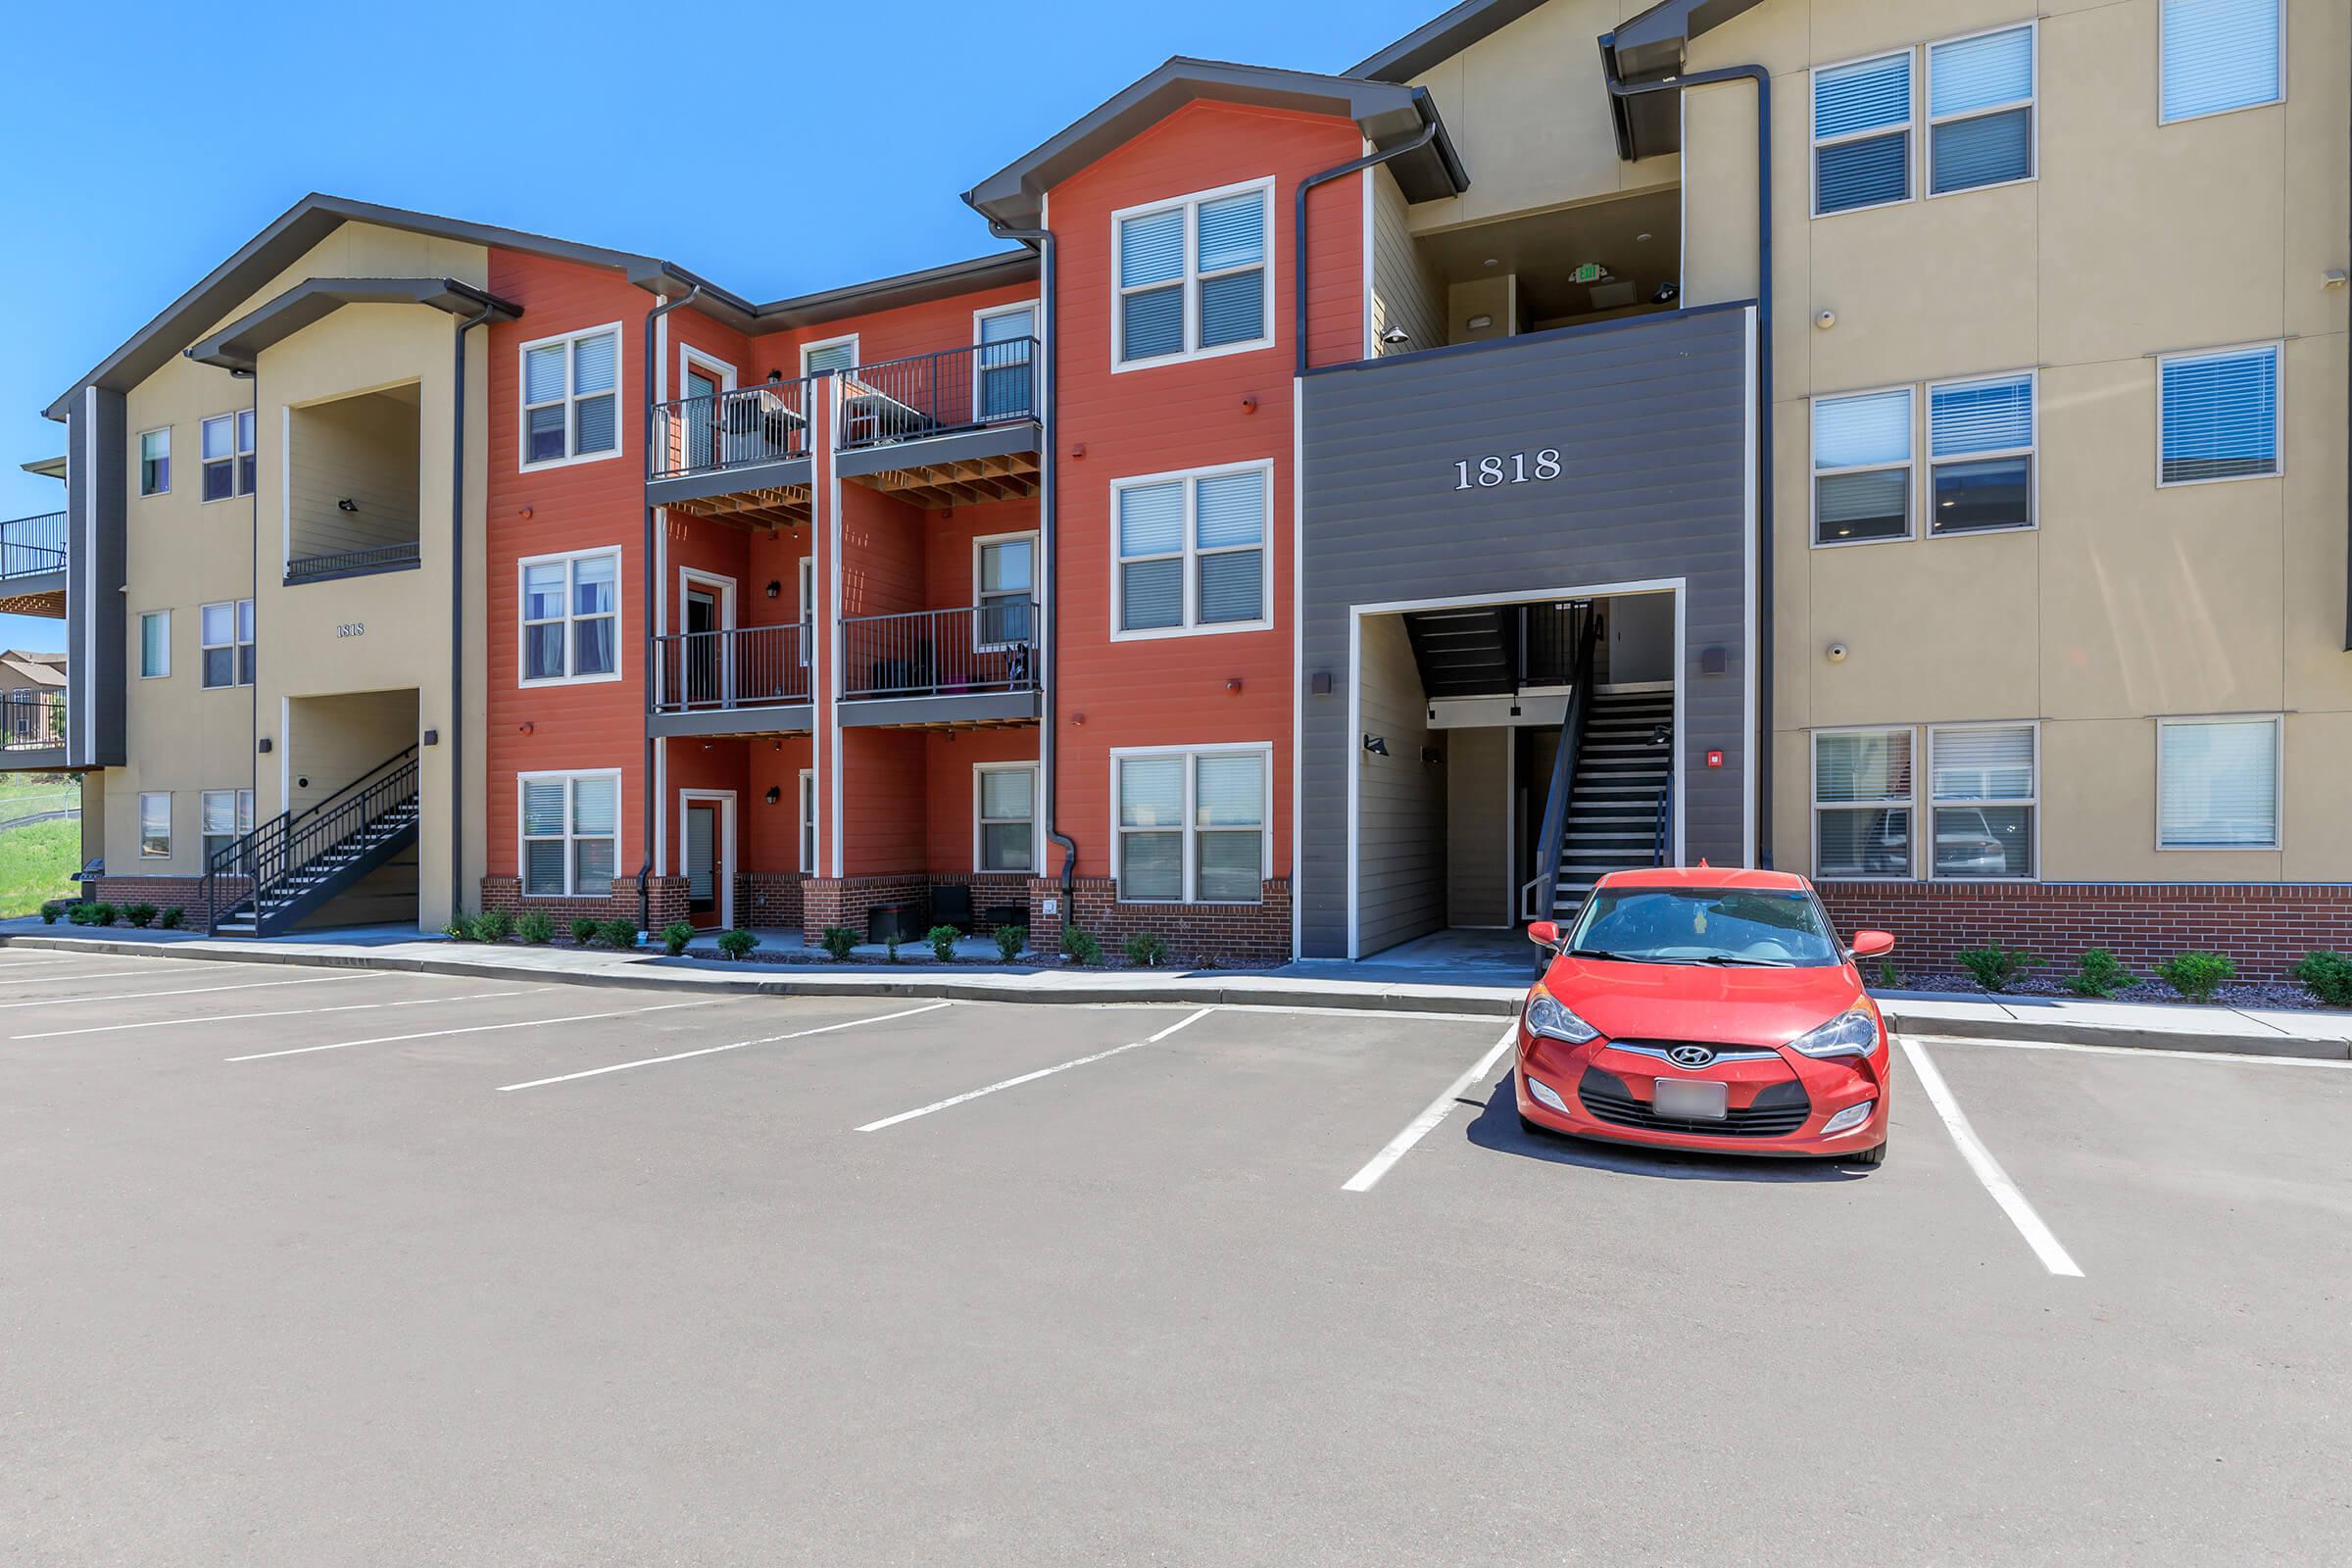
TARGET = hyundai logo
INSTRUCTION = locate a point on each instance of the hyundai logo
(1690, 1055)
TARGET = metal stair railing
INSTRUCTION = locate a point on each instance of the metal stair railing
(1563, 769)
(1661, 844)
(266, 859)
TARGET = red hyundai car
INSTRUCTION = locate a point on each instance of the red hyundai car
(1693, 1008)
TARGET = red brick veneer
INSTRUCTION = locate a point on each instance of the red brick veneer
(1197, 932)
(183, 893)
(665, 902)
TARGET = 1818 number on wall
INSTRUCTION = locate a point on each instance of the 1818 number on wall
(1510, 467)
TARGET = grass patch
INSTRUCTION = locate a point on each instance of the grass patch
(35, 863)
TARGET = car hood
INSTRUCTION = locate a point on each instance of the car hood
(1728, 1005)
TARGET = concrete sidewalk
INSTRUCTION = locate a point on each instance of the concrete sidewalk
(1490, 989)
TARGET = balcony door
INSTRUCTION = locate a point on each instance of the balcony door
(702, 381)
(707, 614)
(1005, 386)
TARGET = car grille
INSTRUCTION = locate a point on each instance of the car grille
(1777, 1110)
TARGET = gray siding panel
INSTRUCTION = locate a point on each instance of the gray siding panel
(1403, 888)
(96, 499)
(1650, 417)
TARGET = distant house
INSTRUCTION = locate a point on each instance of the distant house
(23, 671)
(25, 679)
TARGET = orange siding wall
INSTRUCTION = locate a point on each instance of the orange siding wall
(1169, 691)
(950, 769)
(883, 334)
(883, 805)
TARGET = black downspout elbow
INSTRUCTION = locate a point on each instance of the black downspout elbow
(1419, 139)
(649, 593)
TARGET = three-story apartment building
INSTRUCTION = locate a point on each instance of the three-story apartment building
(1899, 442)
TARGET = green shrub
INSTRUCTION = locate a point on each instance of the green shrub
(2327, 976)
(942, 942)
(1147, 950)
(459, 929)
(2099, 973)
(1995, 966)
(536, 927)
(493, 925)
(82, 913)
(50, 912)
(737, 944)
(142, 915)
(676, 936)
(2196, 975)
(103, 914)
(1889, 975)
(890, 949)
(583, 930)
(838, 939)
(172, 917)
(621, 935)
(1010, 939)
(1081, 944)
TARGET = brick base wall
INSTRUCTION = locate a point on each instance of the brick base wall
(989, 890)
(827, 900)
(183, 893)
(665, 902)
(1197, 934)
(769, 901)
(2264, 927)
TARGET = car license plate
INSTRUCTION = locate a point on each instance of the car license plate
(1693, 1098)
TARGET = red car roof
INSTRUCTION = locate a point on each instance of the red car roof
(1703, 876)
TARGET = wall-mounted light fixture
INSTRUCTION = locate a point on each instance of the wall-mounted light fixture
(1377, 745)
(347, 504)
(262, 745)
(774, 588)
(1394, 336)
(776, 793)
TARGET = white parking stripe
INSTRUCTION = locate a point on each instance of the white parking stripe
(195, 990)
(87, 974)
(1437, 1110)
(1989, 1170)
(2143, 1053)
(1031, 1077)
(713, 1051)
(477, 1029)
(285, 1012)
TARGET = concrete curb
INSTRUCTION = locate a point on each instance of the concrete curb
(2122, 1036)
(1241, 991)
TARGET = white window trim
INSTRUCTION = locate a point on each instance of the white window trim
(856, 351)
(524, 839)
(523, 404)
(1037, 317)
(980, 821)
(2277, 346)
(2277, 724)
(165, 616)
(1190, 554)
(1912, 155)
(691, 358)
(146, 853)
(2030, 451)
(236, 664)
(1928, 114)
(806, 588)
(1925, 782)
(807, 840)
(1190, 282)
(1191, 831)
(234, 460)
(1910, 803)
(138, 458)
(240, 816)
(979, 544)
(2162, 118)
(524, 626)
(1817, 475)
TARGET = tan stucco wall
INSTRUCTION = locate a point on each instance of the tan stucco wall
(182, 553)
(2129, 601)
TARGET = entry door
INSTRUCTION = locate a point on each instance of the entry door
(703, 661)
(703, 866)
(702, 419)
(1006, 390)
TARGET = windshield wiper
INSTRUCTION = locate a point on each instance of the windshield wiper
(1748, 963)
(1605, 955)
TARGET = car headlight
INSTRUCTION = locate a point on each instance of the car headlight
(1855, 1033)
(1546, 1017)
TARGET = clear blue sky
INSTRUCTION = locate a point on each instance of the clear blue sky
(146, 142)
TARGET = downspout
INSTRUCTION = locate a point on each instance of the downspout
(647, 593)
(1620, 88)
(1413, 143)
(457, 612)
(1048, 743)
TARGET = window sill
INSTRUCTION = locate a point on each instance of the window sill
(567, 463)
(1218, 629)
(1192, 357)
(567, 680)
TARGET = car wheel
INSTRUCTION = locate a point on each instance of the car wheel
(1868, 1156)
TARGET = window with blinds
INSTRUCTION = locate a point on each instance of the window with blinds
(809, 821)
(223, 816)
(1004, 800)
(571, 834)
(1191, 551)
(1983, 789)
(571, 398)
(1862, 467)
(2217, 783)
(155, 644)
(1862, 803)
(1194, 278)
(829, 359)
(571, 618)
(2220, 55)
(1862, 134)
(1981, 454)
(1004, 575)
(2220, 415)
(1980, 111)
(1191, 826)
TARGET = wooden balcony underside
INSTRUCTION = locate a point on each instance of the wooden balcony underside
(765, 511)
(959, 482)
(50, 604)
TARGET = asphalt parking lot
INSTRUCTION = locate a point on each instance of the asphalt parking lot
(315, 1266)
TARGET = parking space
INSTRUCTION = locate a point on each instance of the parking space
(324, 1265)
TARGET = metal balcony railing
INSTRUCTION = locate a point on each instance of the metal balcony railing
(32, 546)
(33, 720)
(739, 429)
(939, 394)
(749, 666)
(353, 562)
(941, 653)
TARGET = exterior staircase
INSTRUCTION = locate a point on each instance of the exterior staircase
(295, 862)
(1618, 792)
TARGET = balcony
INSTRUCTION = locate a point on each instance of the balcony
(32, 731)
(739, 456)
(352, 486)
(967, 666)
(955, 427)
(748, 680)
(33, 565)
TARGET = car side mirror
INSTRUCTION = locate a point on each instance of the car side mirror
(1544, 933)
(1870, 944)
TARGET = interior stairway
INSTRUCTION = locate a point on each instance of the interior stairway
(1621, 774)
(299, 860)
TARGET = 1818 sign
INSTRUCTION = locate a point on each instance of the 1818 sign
(1511, 468)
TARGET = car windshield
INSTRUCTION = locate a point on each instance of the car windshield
(1732, 926)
